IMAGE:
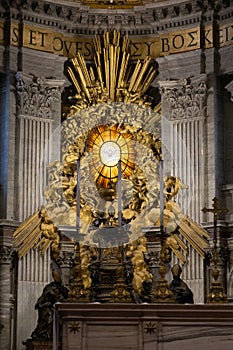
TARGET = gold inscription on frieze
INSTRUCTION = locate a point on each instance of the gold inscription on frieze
(174, 42)
(142, 47)
(226, 35)
(208, 37)
(162, 44)
(45, 40)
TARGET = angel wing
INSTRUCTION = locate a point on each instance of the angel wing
(37, 231)
(188, 229)
(181, 229)
(193, 233)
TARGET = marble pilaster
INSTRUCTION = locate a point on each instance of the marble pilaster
(39, 114)
(33, 275)
(7, 301)
(183, 133)
(183, 111)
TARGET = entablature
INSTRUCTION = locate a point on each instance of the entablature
(81, 18)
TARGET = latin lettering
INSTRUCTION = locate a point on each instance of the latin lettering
(67, 45)
(226, 34)
(208, 41)
(136, 49)
(43, 35)
(165, 45)
(15, 35)
(148, 47)
(178, 41)
(32, 37)
(192, 43)
(57, 44)
(78, 47)
(87, 51)
(220, 36)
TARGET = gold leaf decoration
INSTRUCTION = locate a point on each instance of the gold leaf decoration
(37, 231)
(112, 89)
(112, 77)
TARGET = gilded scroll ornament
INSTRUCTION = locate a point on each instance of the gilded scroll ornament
(140, 269)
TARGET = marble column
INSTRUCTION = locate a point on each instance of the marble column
(183, 111)
(39, 114)
(38, 117)
(183, 133)
(33, 275)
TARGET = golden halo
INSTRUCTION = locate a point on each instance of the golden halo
(108, 145)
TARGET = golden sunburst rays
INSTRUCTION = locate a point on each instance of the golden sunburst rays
(111, 77)
(108, 145)
(125, 141)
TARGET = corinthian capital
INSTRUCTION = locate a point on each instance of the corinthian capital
(36, 95)
(183, 99)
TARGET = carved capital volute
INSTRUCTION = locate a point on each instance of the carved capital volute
(37, 96)
(184, 99)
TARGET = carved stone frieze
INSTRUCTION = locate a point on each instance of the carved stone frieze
(36, 96)
(6, 254)
(184, 99)
(79, 16)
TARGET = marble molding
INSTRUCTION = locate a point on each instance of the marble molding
(144, 327)
(77, 18)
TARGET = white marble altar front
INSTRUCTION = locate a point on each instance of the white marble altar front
(143, 327)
